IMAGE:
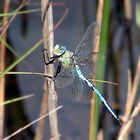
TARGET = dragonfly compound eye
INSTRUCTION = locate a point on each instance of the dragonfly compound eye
(57, 50)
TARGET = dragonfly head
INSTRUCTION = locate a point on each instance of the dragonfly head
(59, 50)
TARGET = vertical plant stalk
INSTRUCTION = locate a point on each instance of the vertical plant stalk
(2, 67)
(93, 123)
(128, 33)
(128, 124)
(128, 105)
(131, 95)
(126, 129)
(5, 27)
(127, 9)
(50, 96)
(102, 18)
(137, 11)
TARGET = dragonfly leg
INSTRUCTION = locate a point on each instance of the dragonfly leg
(50, 77)
(51, 59)
(58, 69)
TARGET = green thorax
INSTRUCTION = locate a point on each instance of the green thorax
(66, 59)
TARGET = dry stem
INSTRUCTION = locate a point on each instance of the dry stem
(124, 132)
(2, 67)
(50, 96)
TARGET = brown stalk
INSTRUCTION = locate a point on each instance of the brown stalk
(131, 93)
(100, 135)
(50, 96)
(127, 9)
(128, 33)
(44, 105)
(96, 49)
(126, 129)
(136, 80)
(2, 67)
(128, 107)
(5, 27)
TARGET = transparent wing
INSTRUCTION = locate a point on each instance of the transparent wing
(77, 88)
(84, 52)
(87, 65)
(86, 45)
(64, 78)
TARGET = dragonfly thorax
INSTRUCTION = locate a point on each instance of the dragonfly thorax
(66, 59)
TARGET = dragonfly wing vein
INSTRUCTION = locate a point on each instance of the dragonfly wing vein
(64, 78)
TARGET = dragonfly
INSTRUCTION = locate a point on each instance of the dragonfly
(78, 67)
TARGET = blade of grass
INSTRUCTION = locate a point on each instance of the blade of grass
(103, 81)
(42, 74)
(19, 12)
(26, 73)
(14, 52)
(8, 46)
(34, 47)
(21, 58)
(100, 65)
(16, 99)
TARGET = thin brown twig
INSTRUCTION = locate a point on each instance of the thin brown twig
(33, 122)
(96, 49)
(5, 27)
(136, 80)
(127, 8)
(128, 34)
(124, 132)
(103, 81)
(60, 4)
(99, 21)
(126, 129)
(132, 94)
(128, 106)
